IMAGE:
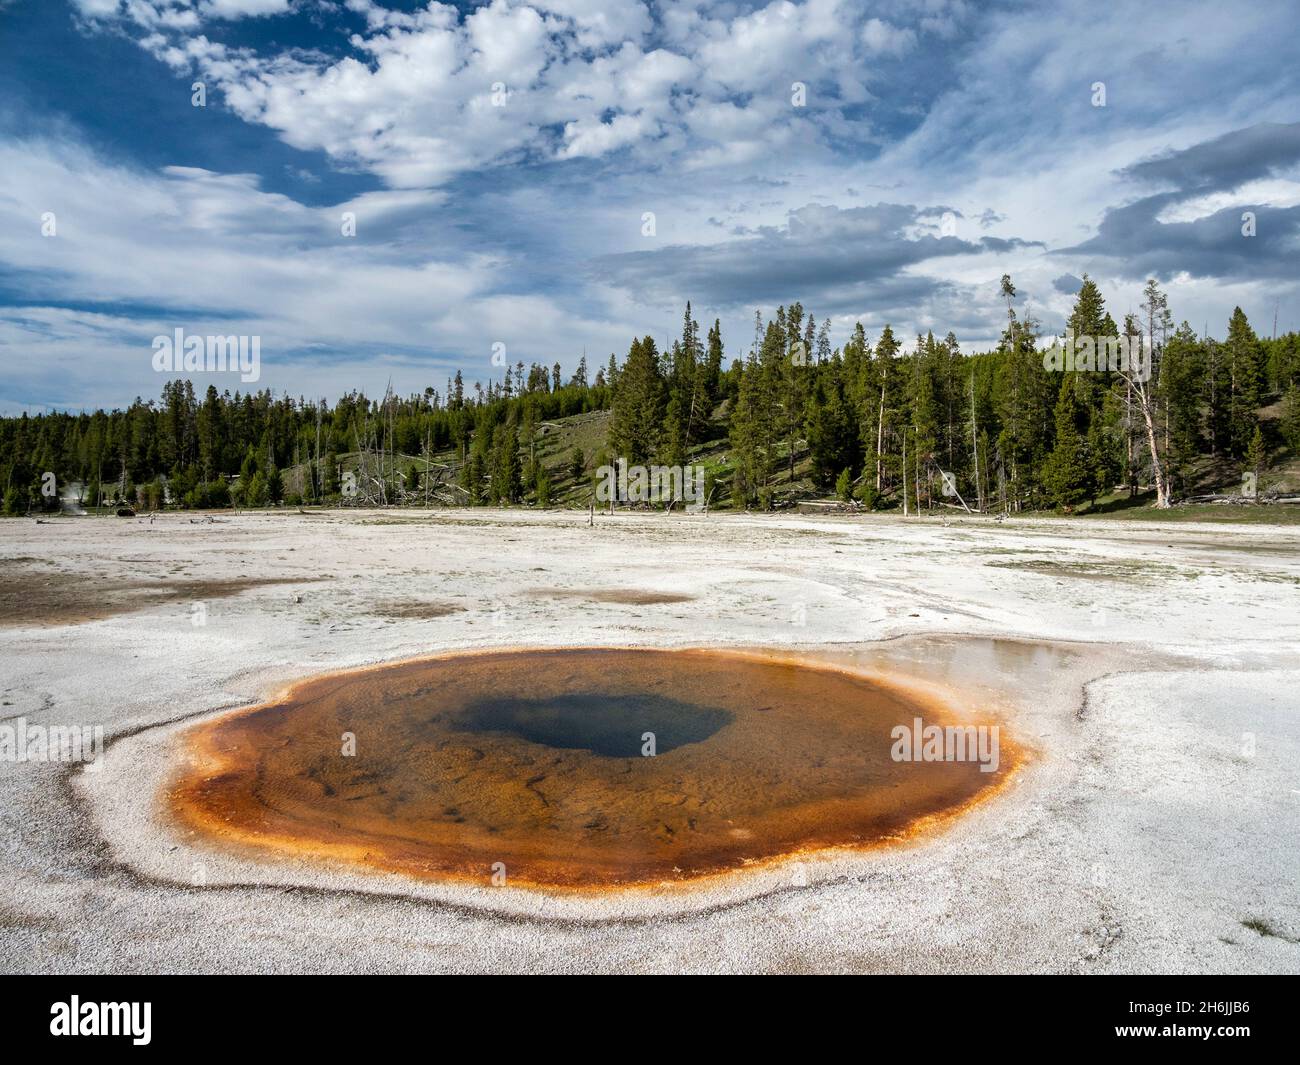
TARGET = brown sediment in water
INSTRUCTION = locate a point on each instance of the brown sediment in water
(416, 609)
(530, 763)
(621, 596)
(56, 597)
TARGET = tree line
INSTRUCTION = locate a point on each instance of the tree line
(256, 449)
(870, 420)
(995, 430)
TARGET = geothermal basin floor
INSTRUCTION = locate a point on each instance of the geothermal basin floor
(1151, 670)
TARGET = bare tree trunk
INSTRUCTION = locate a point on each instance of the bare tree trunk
(1212, 371)
(880, 436)
(905, 473)
(975, 446)
(916, 458)
(1149, 415)
(1128, 440)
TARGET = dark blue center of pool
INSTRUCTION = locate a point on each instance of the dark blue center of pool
(611, 725)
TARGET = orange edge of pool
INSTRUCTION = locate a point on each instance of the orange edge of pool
(206, 762)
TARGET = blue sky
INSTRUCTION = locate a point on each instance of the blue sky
(938, 144)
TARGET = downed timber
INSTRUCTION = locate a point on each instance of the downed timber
(1239, 500)
(827, 506)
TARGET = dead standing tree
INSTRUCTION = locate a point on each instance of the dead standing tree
(1144, 398)
(1140, 376)
(369, 488)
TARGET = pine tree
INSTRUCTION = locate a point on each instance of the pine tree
(879, 408)
(1089, 318)
(755, 425)
(1244, 358)
(1291, 417)
(856, 358)
(636, 426)
(1023, 410)
(1182, 367)
(1067, 474)
(274, 484)
(793, 372)
(682, 389)
(830, 428)
(711, 371)
(924, 406)
(844, 486)
(1256, 454)
(504, 484)
(1284, 362)
(746, 435)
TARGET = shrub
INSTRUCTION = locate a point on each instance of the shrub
(844, 486)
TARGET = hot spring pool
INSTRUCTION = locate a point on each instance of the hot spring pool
(575, 769)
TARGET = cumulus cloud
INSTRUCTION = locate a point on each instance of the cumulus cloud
(422, 96)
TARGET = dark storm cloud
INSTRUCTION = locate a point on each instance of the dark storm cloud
(837, 259)
(1068, 283)
(1226, 162)
(1247, 241)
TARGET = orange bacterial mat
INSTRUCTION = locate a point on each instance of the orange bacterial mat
(574, 769)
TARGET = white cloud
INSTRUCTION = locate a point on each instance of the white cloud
(590, 137)
(139, 254)
(883, 38)
(414, 104)
(97, 8)
(599, 23)
(682, 108)
(232, 9)
(179, 13)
